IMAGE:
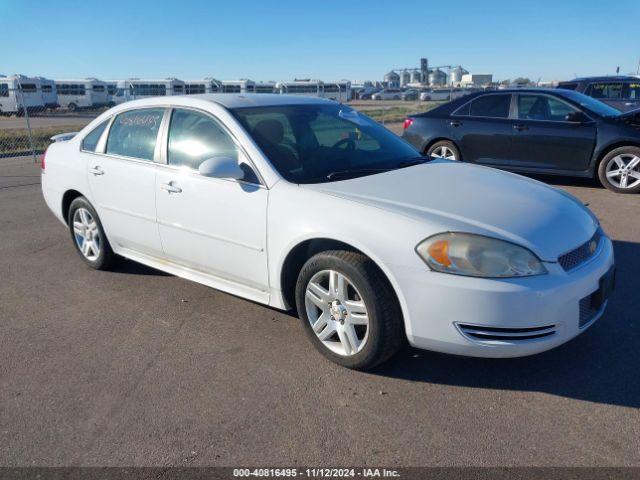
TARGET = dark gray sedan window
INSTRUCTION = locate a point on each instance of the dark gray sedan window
(134, 133)
(494, 106)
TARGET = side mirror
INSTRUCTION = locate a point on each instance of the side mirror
(576, 117)
(221, 167)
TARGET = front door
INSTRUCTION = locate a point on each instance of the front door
(211, 225)
(544, 138)
(122, 181)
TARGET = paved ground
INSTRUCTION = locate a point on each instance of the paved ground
(134, 367)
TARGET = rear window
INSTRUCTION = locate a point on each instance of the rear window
(608, 91)
(632, 91)
(492, 106)
(134, 134)
(90, 142)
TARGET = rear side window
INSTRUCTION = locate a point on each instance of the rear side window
(610, 91)
(135, 133)
(493, 106)
(90, 142)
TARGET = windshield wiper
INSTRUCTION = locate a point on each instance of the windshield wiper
(355, 172)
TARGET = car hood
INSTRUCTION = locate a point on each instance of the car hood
(453, 196)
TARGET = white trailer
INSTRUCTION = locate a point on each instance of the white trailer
(76, 94)
(49, 93)
(205, 85)
(135, 88)
(19, 93)
(338, 91)
(310, 88)
(238, 86)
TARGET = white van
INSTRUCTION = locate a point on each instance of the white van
(49, 93)
(78, 94)
(17, 93)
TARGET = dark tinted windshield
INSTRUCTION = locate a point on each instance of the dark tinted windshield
(596, 106)
(320, 143)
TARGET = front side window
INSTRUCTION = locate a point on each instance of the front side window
(493, 106)
(608, 91)
(29, 87)
(134, 133)
(90, 142)
(542, 107)
(322, 143)
(4, 90)
(195, 137)
(98, 88)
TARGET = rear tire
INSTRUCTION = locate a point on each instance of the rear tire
(72, 107)
(358, 324)
(88, 235)
(444, 149)
(619, 170)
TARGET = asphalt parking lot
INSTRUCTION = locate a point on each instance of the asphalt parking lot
(136, 367)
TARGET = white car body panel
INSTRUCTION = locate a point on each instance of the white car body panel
(236, 236)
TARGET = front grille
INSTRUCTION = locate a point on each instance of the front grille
(482, 333)
(584, 252)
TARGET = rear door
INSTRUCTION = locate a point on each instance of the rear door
(607, 92)
(122, 180)
(544, 138)
(482, 129)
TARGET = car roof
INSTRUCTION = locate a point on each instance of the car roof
(604, 78)
(245, 100)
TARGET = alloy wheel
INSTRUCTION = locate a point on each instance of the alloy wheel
(443, 152)
(86, 234)
(337, 312)
(623, 171)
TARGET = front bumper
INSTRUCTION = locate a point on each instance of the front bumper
(437, 305)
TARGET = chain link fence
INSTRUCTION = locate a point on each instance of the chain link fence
(28, 119)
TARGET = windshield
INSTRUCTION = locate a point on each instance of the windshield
(596, 106)
(321, 143)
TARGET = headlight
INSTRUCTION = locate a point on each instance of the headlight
(478, 256)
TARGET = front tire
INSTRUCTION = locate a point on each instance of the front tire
(88, 235)
(619, 170)
(348, 309)
(444, 149)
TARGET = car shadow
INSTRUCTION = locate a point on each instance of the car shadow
(124, 265)
(601, 365)
(562, 181)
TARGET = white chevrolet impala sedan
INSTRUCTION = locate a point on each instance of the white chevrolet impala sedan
(303, 203)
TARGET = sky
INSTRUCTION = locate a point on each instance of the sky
(330, 40)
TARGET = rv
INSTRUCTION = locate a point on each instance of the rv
(19, 93)
(79, 94)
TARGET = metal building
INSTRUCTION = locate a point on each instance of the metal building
(392, 79)
(437, 77)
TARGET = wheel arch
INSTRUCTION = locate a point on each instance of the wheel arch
(306, 248)
(604, 151)
(435, 140)
(68, 197)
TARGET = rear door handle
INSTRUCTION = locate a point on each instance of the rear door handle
(96, 170)
(170, 187)
(455, 123)
(520, 127)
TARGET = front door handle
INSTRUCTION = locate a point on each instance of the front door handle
(520, 127)
(170, 187)
(455, 123)
(96, 170)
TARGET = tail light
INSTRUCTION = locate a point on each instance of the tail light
(407, 123)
